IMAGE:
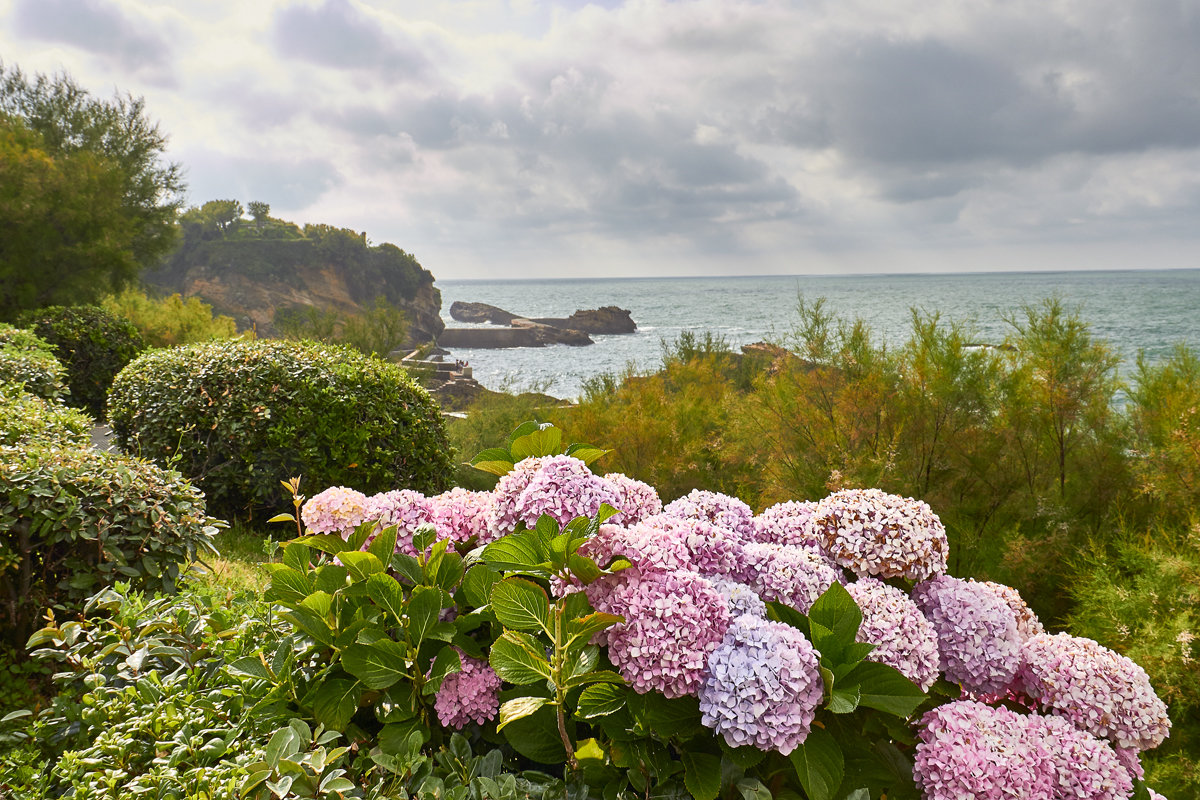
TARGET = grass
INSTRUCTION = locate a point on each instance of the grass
(243, 550)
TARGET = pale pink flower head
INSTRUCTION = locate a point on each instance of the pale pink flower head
(471, 695)
(563, 488)
(635, 500)
(712, 551)
(336, 510)
(406, 509)
(787, 523)
(903, 638)
(794, 576)
(978, 643)
(461, 515)
(882, 535)
(1028, 624)
(502, 516)
(1084, 766)
(719, 509)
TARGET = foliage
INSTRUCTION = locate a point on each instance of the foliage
(234, 415)
(1165, 417)
(377, 331)
(27, 361)
(75, 520)
(489, 419)
(27, 420)
(87, 199)
(169, 321)
(1144, 601)
(93, 344)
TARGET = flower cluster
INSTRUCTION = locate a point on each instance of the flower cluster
(1096, 689)
(763, 686)
(795, 576)
(635, 500)
(461, 515)
(740, 598)
(502, 517)
(711, 551)
(885, 535)
(673, 620)
(1084, 766)
(978, 644)
(1028, 625)
(471, 695)
(564, 488)
(336, 510)
(903, 638)
(719, 509)
(406, 509)
(787, 523)
(648, 548)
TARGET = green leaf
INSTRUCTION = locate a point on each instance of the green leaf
(335, 701)
(521, 605)
(423, 537)
(587, 627)
(361, 565)
(330, 578)
(519, 658)
(819, 764)
(423, 609)
(599, 676)
(517, 551)
(495, 460)
(667, 718)
(408, 567)
(446, 663)
(542, 442)
(249, 667)
(360, 535)
(600, 700)
(834, 619)
(885, 688)
(744, 757)
(583, 568)
(605, 513)
(311, 623)
(281, 518)
(288, 586)
(383, 546)
(329, 543)
(446, 571)
(378, 665)
(536, 737)
(519, 708)
(524, 429)
(386, 592)
(844, 699)
(701, 775)
(585, 452)
(477, 585)
(753, 789)
(780, 612)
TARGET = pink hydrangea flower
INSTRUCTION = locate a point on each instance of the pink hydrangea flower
(795, 576)
(712, 551)
(763, 686)
(406, 509)
(564, 488)
(787, 523)
(903, 638)
(336, 510)
(461, 515)
(1028, 624)
(1097, 690)
(1084, 766)
(883, 535)
(472, 695)
(634, 499)
(719, 509)
(673, 620)
(648, 548)
(739, 598)
(502, 518)
(978, 643)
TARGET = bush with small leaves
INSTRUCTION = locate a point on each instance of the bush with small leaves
(26, 419)
(27, 361)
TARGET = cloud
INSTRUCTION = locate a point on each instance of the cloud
(337, 34)
(97, 26)
(287, 183)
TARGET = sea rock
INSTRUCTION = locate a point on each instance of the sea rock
(521, 333)
(480, 312)
(604, 320)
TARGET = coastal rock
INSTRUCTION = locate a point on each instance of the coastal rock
(604, 320)
(480, 312)
(521, 333)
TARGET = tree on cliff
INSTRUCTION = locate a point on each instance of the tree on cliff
(86, 200)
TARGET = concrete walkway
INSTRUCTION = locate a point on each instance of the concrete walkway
(102, 439)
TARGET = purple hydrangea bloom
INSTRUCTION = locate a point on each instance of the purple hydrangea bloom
(336, 510)
(565, 489)
(461, 515)
(404, 508)
(472, 695)
(1028, 624)
(978, 643)
(502, 518)
(712, 551)
(739, 598)
(972, 750)
(763, 686)
(673, 620)
(1097, 690)
(1084, 766)
(649, 549)
(904, 639)
(719, 509)
(634, 499)
(787, 523)
(1131, 760)
(884, 535)
(795, 576)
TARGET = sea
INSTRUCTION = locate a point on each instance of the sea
(1134, 311)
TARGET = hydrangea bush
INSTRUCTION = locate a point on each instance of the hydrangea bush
(817, 650)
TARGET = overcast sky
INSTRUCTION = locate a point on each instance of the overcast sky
(532, 138)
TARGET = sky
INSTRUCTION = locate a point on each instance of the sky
(533, 139)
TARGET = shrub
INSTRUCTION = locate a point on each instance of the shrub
(170, 321)
(28, 361)
(74, 520)
(92, 343)
(26, 419)
(238, 416)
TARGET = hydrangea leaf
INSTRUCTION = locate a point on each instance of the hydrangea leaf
(446, 663)
(378, 665)
(335, 701)
(386, 593)
(383, 546)
(361, 565)
(589, 626)
(542, 442)
(835, 619)
(819, 764)
(519, 658)
(423, 609)
(524, 429)
(885, 689)
(325, 542)
(701, 775)
(477, 585)
(495, 460)
(600, 700)
(515, 552)
(521, 707)
(521, 605)
(586, 453)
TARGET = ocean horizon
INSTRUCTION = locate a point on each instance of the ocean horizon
(1134, 311)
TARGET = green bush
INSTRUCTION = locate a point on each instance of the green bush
(92, 343)
(28, 361)
(26, 419)
(239, 416)
(170, 321)
(72, 521)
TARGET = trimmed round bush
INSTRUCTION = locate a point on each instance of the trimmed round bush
(239, 416)
(75, 520)
(26, 419)
(92, 343)
(27, 361)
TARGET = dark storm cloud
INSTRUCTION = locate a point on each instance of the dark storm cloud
(336, 34)
(97, 26)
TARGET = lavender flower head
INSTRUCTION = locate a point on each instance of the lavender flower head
(880, 534)
(712, 551)
(564, 488)
(787, 523)
(904, 639)
(404, 508)
(336, 510)
(1084, 766)
(472, 695)
(673, 620)
(1028, 625)
(1097, 690)
(763, 686)
(461, 515)
(634, 499)
(648, 548)
(978, 643)
(739, 598)
(719, 509)
(502, 518)
(796, 576)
